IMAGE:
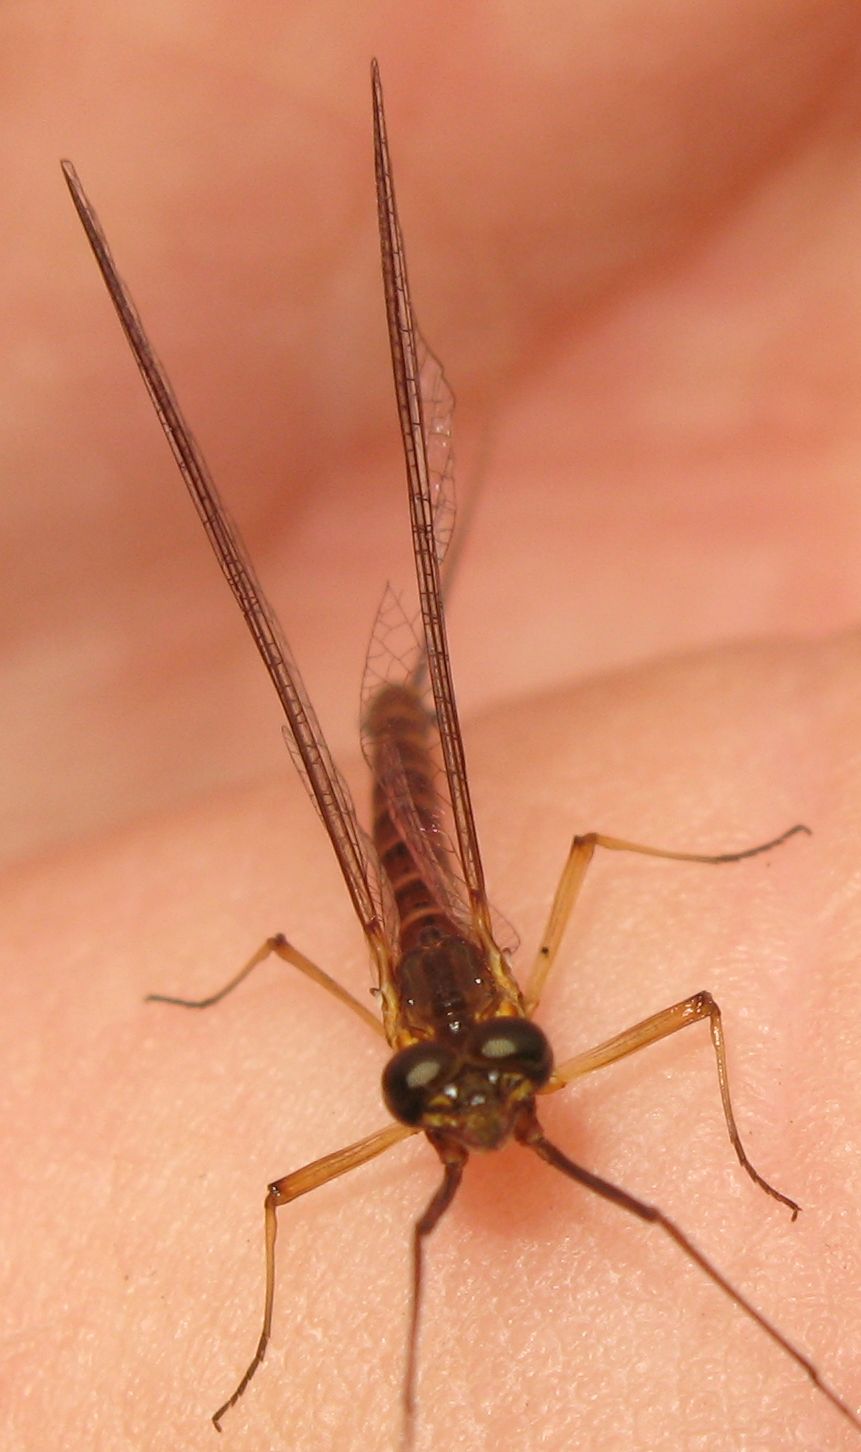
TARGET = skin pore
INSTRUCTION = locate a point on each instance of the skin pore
(648, 629)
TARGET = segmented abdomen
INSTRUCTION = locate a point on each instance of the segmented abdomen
(406, 813)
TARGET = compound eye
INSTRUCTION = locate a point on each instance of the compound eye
(413, 1076)
(515, 1046)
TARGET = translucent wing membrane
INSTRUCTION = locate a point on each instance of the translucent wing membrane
(423, 831)
(312, 755)
(395, 651)
(419, 386)
(394, 657)
(437, 402)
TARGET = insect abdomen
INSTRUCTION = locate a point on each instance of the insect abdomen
(406, 813)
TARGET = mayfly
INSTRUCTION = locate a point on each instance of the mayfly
(468, 1063)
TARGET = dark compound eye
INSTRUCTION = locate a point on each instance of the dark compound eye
(412, 1076)
(514, 1045)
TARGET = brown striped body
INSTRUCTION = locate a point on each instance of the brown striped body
(443, 979)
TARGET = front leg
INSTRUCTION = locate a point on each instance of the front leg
(281, 1192)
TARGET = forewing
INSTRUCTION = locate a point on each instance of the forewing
(325, 784)
(407, 367)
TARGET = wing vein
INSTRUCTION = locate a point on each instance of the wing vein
(324, 782)
(405, 365)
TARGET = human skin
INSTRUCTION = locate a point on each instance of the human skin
(140, 1140)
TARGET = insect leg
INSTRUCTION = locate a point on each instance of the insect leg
(573, 873)
(281, 1192)
(453, 1160)
(531, 1135)
(650, 1031)
(288, 954)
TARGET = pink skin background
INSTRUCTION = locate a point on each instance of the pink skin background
(633, 238)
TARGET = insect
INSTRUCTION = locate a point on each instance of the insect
(468, 1064)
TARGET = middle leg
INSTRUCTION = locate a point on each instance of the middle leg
(568, 890)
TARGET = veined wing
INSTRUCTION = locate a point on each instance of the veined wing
(406, 365)
(437, 402)
(396, 658)
(313, 757)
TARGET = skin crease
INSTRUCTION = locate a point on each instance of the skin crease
(663, 330)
